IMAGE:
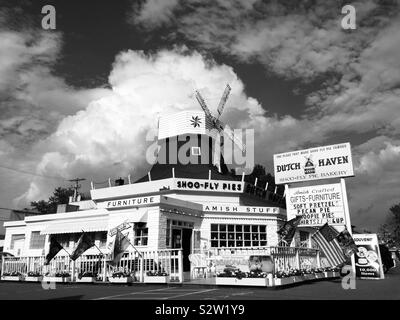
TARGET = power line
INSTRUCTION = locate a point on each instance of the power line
(32, 174)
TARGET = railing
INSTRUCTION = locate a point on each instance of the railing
(168, 261)
(284, 258)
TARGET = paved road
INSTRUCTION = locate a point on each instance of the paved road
(365, 289)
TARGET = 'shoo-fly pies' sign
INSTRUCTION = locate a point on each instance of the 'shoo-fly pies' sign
(332, 161)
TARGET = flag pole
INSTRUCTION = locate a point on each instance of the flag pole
(131, 244)
(348, 222)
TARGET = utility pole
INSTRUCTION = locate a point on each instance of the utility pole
(76, 187)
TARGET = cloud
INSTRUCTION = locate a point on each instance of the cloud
(357, 71)
(153, 13)
(113, 129)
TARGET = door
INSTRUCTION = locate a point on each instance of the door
(186, 245)
(19, 246)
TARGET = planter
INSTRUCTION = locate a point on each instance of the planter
(120, 280)
(227, 281)
(13, 278)
(57, 279)
(33, 279)
(86, 280)
(156, 279)
(308, 277)
(329, 274)
(284, 281)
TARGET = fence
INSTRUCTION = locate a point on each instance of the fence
(284, 258)
(133, 263)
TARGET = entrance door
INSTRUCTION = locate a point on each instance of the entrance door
(186, 245)
(181, 239)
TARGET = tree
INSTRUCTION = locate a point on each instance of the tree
(389, 232)
(263, 178)
(60, 196)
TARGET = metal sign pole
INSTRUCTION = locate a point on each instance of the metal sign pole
(347, 217)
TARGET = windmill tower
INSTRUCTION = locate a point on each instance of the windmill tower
(197, 133)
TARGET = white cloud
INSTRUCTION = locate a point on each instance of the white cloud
(154, 13)
(112, 129)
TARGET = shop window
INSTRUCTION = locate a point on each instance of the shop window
(37, 240)
(304, 236)
(141, 234)
(168, 233)
(231, 235)
(15, 238)
(102, 239)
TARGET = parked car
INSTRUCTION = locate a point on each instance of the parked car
(386, 256)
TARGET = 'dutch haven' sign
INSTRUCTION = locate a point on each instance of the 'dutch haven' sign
(313, 164)
(316, 204)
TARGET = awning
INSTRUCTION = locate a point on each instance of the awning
(75, 226)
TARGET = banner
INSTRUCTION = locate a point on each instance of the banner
(317, 205)
(368, 257)
(55, 247)
(85, 242)
(332, 161)
(288, 230)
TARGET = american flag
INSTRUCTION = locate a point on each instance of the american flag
(325, 238)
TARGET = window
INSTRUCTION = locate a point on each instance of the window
(168, 233)
(196, 151)
(16, 237)
(37, 240)
(63, 239)
(231, 235)
(141, 234)
(304, 239)
(103, 239)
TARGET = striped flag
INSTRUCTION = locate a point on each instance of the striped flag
(325, 237)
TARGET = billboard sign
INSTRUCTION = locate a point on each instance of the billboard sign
(368, 257)
(325, 162)
(317, 204)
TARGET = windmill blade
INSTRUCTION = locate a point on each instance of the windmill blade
(203, 105)
(222, 102)
(228, 132)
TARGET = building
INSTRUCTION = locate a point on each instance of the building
(192, 202)
(12, 215)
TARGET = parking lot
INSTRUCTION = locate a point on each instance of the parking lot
(388, 288)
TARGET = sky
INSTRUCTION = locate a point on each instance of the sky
(79, 100)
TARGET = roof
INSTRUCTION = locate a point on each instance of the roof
(189, 171)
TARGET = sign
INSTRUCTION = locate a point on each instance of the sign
(240, 262)
(332, 161)
(317, 205)
(123, 226)
(240, 209)
(368, 257)
(208, 185)
(130, 202)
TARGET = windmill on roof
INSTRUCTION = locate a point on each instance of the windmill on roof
(195, 135)
(218, 124)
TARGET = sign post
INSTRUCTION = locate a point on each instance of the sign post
(347, 219)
